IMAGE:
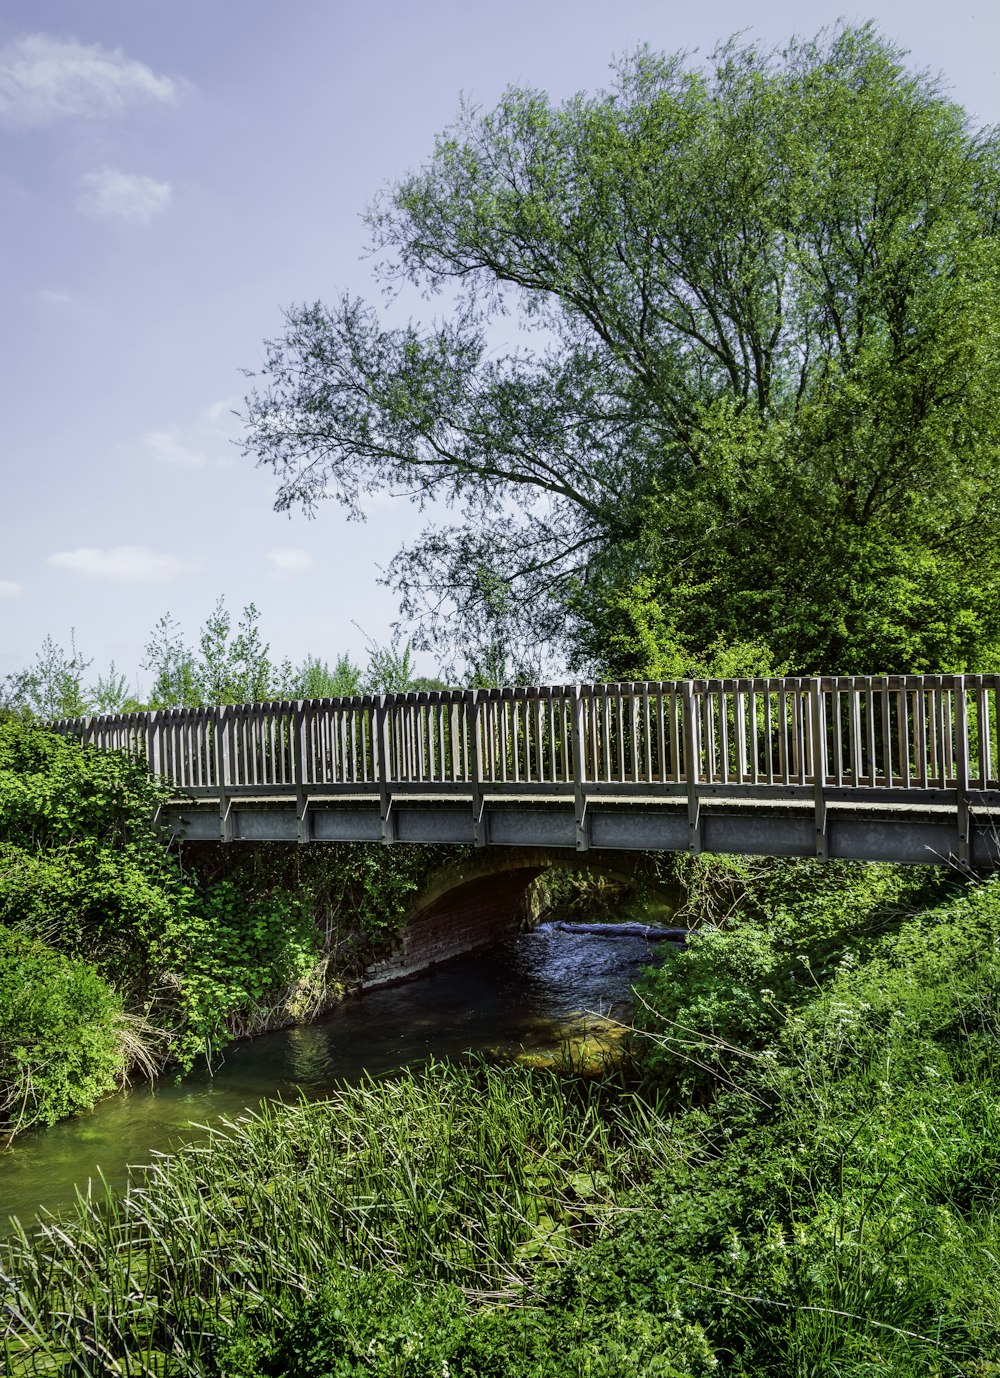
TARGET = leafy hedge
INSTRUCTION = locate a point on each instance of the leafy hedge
(782, 931)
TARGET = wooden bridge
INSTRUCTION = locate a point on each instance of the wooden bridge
(895, 768)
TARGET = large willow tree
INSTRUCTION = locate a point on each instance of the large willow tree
(754, 396)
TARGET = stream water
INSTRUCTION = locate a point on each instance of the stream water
(518, 994)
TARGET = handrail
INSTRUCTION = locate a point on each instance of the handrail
(930, 738)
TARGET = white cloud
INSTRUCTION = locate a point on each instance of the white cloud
(207, 438)
(10, 588)
(53, 296)
(170, 446)
(221, 411)
(44, 79)
(122, 564)
(111, 194)
(287, 561)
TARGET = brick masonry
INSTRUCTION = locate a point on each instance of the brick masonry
(468, 916)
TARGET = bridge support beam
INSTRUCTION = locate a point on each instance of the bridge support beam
(875, 833)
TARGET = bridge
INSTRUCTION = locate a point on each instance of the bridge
(887, 768)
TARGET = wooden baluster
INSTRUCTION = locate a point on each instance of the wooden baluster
(818, 765)
(771, 731)
(903, 731)
(384, 761)
(648, 732)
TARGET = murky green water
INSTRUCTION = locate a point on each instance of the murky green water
(512, 995)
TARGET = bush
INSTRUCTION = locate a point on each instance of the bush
(82, 865)
(380, 1326)
(245, 938)
(845, 1217)
(61, 1044)
(782, 931)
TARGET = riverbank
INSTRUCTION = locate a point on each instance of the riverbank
(120, 956)
(524, 995)
(800, 1177)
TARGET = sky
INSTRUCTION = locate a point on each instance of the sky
(171, 177)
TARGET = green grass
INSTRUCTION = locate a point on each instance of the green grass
(466, 1176)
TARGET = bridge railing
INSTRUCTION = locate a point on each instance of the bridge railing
(883, 736)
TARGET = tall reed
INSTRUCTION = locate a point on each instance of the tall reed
(461, 1174)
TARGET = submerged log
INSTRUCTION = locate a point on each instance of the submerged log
(620, 930)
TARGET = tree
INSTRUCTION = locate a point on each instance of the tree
(229, 668)
(758, 381)
(315, 680)
(52, 687)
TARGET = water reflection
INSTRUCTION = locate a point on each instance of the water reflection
(513, 995)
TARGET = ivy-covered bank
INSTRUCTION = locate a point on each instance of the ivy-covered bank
(798, 1176)
(118, 955)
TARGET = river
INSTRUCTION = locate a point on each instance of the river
(514, 995)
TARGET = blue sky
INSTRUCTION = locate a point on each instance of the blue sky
(171, 175)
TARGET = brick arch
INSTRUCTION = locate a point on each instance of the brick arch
(478, 899)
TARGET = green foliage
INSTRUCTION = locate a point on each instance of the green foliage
(382, 1327)
(60, 1034)
(375, 884)
(111, 694)
(847, 1214)
(465, 1177)
(639, 642)
(81, 864)
(206, 954)
(390, 669)
(53, 686)
(769, 292)
(831, 1208)
(232, 956)
(783, 929)
(315, 680)
(229, 666)
(353, 888)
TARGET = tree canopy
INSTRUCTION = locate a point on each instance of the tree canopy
(749, 418)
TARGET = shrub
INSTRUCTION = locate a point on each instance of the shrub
(782, 930)
(381, 1326)
(61, 1026)
(240, 941)
(845, 1217)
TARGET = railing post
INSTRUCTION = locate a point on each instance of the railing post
(472, 702)
(579, 772)
(818, 705)
(383, 761)
(220, 744)
(455, 739)
(691, 771)
(962, 773)
(299, 771)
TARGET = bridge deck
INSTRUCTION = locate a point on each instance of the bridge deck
(903, 768)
